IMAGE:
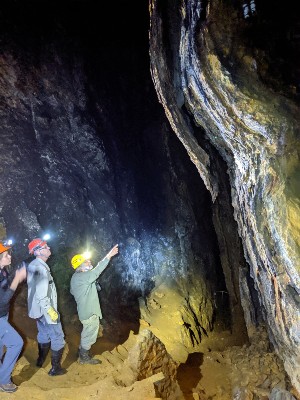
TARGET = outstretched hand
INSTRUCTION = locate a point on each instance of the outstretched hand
(113, 251)
(21, 274)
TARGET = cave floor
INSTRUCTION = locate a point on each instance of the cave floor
(223, 364)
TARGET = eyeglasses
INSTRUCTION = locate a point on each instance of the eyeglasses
(44, 247)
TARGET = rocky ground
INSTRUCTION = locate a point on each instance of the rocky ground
(223, 367)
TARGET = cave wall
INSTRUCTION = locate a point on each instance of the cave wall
(214, 69)
(87, 154)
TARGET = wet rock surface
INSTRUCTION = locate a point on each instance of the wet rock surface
(214, 78)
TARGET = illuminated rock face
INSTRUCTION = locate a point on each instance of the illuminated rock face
(215, 70)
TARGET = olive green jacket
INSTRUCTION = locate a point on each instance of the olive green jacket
(83, 288)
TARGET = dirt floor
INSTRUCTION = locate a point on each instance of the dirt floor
(223, 366)
(219, 369)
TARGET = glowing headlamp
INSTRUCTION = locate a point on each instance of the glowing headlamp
(87, 255)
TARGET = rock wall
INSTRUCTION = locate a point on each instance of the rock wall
(212, 69)
(87, 154)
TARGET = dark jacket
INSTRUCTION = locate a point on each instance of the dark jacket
(6, 293)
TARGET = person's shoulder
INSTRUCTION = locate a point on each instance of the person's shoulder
(75, 276)
(35, 266)
(79, 278)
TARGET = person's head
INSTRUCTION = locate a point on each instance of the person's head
(39, 248)
(82, 262)
(5, 257)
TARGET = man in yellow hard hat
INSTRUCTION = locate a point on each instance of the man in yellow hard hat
(84, 290)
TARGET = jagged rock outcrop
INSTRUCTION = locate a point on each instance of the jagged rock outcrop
(149, 357)
(211, 69)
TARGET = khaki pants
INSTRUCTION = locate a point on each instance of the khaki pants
(89, 334)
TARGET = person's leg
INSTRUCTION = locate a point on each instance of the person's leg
(43, 332)
(89, 336)
(56, 334)
(43, 341)
(1, 351)
(13, 342)
(43, 352)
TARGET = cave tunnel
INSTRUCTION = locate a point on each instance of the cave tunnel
(170, 128)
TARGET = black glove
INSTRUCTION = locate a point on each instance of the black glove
(21, 265)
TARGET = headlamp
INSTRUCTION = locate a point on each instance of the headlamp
(87, 255)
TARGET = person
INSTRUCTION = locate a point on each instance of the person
(83, 287)
(9, 337)
(42, 306)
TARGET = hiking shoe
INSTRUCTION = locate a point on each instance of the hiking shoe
(8, 387)
(85, 358)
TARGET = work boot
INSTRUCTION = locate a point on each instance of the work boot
(8, 387)
(85, 358)
(43, 351)
(55, 361)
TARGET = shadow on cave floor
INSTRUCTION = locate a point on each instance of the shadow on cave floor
(188, 374)
(205, 373)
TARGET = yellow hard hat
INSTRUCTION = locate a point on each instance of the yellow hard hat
(77, 260)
